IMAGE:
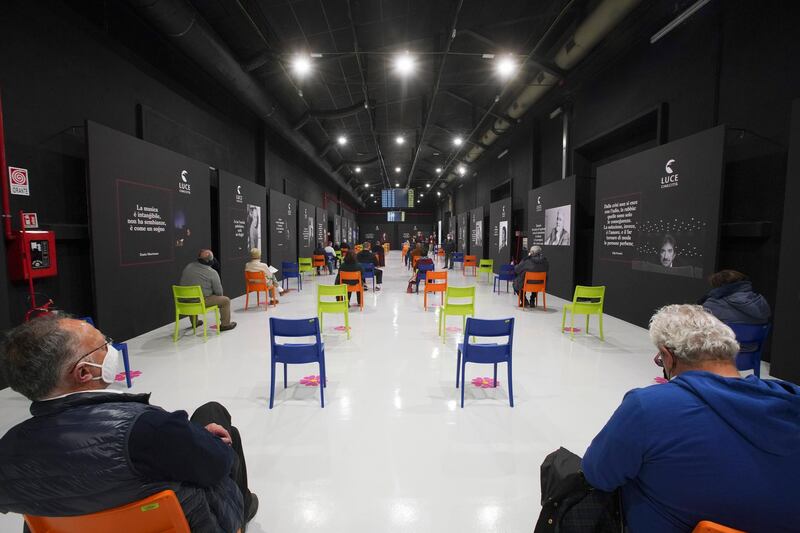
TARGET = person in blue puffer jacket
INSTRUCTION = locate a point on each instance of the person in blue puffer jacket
(733, 301)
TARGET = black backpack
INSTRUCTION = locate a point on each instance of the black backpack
(570, 504)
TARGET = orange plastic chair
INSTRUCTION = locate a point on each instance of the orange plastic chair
(255, 281)
(359, 288)
(414, 259)
(318, 261)
(471, 261)
(710, 527)
(159, 513)
(432, 285)
(534, 282)
(403, 253)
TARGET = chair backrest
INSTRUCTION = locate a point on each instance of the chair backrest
(189, 299)
(325, 291)
(368, 267)
(288, 267)
(751, 335)
(460, 292)
(431, 276)
(486, 263)
(537, 279)
(255, 279)
(506, 269)
(293, 327)
(345, 275)
(304, 261)
(158, 513)
(710, 527)
(596, 295)
(319, 260)
(457, 256)
(470, 260)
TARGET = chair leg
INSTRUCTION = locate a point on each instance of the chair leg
(600, 322)
(495, 374)
(177, 320)
(463, 378)
(246, 300)
(458, 365)
(322, 384)
(127, 364)
(205, 327)
(587, 324)
(510, 386)
(216, 316)
(544, 300)
(756, 367)
(563, 319)
(272, 385)
(319, 316)
(284, 375)
(572, 328)
(347, 323)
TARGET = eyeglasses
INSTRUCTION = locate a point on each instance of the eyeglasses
(108, 340)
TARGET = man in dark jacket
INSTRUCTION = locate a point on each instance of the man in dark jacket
(449, 248)
(349, 264)
(534, 262)
(367, 256)
(677, 451)
(89, 448)
(733, 300)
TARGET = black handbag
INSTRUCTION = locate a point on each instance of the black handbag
(570, 504)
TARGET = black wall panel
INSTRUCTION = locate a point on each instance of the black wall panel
(282, 229)
(500, 233)
(306, 232)
(477, 232)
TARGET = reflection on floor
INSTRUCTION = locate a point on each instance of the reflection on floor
(392, 451)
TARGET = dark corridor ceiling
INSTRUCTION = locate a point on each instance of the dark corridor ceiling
(352, 45)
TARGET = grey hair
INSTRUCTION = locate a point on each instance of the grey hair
(34, 355)
(693, 334)
(536, 250)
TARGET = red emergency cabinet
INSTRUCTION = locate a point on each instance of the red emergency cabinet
(32, 251)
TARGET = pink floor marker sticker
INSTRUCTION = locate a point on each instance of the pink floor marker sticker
(573, 330)
(134, 374)
(310, 381)
(484, 383)
(453, 329)
(340, 328)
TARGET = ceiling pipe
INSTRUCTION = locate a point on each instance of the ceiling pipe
(591, 30)
(450, 38)
(187, 30)
(330, 114)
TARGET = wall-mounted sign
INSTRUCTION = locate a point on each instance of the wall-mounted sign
(31, 220)
(18, 180)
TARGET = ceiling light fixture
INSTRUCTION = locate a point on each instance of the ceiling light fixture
(438, 193)
(366, 185)
(458, 141)
(301, 65)
(506, 66)
(358, 170)
(428, 185)
(397, 170)
(438, 171)
(404, 64)
(342, 140)
(371, 194)
(400, 139)
(462, 170)
(396, 184)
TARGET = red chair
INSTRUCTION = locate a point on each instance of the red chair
(534, 282)
(471, 261)
(159, 513)
(318, 261)
(256, 281)
(434, 282)
(355, 287)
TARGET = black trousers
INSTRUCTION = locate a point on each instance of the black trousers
(213, 412)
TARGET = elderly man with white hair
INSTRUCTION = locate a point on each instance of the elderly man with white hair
(707, 445)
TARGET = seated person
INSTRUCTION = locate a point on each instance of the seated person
(349, 264)
(429, 264)
(255, 265)
(708, 445)
(534, 262)
(201, 273)
(732, 299)
(380, 253)
(89, 448)
(416, 252)
(366, 255)
(330, 254)
(319, 250)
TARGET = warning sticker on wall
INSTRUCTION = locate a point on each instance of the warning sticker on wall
(18, 180)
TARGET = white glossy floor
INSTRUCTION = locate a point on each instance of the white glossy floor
(392, 451)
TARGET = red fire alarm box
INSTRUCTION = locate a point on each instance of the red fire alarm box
(32, 252)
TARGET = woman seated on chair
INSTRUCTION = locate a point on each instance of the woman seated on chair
(255, 265)
(349, 264)
(421, 261)
(733, 300)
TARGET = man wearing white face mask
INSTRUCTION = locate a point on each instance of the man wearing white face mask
(88, 448)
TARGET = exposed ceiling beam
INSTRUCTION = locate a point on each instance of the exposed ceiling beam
(450, 37)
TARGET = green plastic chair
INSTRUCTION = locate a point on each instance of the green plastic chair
(335, 306)
(305, 264)
(486, 266)
(189, 301)
(586, 301)
(459, 308)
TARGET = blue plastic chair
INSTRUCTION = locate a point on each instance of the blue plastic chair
(123, 348)
(296, 354)
(486, 353)
(421, 269)
(369, 272)
(457, 257)
(291, 270)
(751, 338)
(506, 274)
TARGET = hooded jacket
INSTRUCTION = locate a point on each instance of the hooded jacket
(737, 303)
(532, 263)
(703, 447)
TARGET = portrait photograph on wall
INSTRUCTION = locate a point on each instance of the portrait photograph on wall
(557, 225)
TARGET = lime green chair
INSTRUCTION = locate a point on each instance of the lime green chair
(189, 301)
(586, 301)
(305, 264)
(486, 266)
(338, 304)
(465, 306)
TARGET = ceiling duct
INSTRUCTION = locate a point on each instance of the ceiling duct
(593, 28)
(179, 22)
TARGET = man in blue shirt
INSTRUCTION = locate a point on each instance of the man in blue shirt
(708, 445)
